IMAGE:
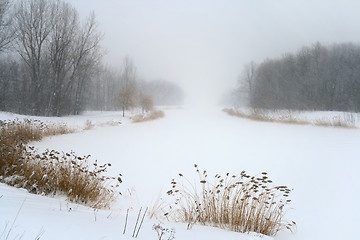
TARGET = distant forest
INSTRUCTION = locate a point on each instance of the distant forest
(325, 78)
(51, 64)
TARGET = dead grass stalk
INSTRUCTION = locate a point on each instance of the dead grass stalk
(51, 172)
(240, 203)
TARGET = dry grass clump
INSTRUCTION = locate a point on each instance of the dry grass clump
(264, 116)
(348, 121)
(89, 125)
(50, 172)
(109, 124)
(153, 115)
(53, 172)
(30, 130)
(241, 203)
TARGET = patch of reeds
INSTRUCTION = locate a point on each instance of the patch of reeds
(153, 115)
(259, 115)
(109, 124)
(50, 172)
(28, 130)
(265, 116)
(347, 121)
(240, 203)
(89, 125)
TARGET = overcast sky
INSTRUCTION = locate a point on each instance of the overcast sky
(203, 44)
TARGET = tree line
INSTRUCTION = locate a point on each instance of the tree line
(51, 62)
(315, 78)
(124, 89)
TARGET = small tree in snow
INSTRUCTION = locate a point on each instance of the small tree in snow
(146, 103)
(125, 99)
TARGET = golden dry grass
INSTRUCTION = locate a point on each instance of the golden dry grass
(89, 125)
(335, 122)
(108, 124)
(259, 115)
(154, 114)
(241, 203)
(30, 130)
(50, 172)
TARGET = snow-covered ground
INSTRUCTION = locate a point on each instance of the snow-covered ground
(56, 219)
(320, 164)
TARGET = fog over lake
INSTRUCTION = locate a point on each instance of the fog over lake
(204, 44)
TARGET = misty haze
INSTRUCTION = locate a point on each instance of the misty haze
(207, 119)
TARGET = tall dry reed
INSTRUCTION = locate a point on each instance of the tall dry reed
(241, 203)
(51, 172)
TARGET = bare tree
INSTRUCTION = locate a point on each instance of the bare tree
(61, 54)
(128, 73)
(249, 76)
(6, 33)
(33, 24)
(87, 57)
(126, 97)
(242, 93)
(104, 88)
(61, 46)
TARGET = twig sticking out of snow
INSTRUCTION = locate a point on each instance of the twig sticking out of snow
(137, 220)
(17, 215)
(161, 232)
(142, 220)
(126, 219)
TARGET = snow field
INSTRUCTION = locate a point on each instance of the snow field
(320, 164)
(54, 218)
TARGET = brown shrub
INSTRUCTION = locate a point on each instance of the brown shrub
(50, 172)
